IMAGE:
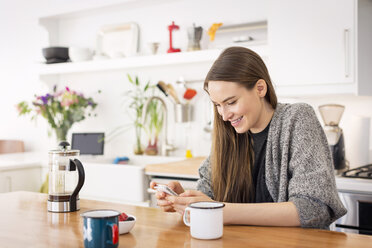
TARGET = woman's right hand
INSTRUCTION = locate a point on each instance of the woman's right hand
(166, 205)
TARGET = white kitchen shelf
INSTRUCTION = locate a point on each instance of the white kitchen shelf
(181, 58)
(243, 27)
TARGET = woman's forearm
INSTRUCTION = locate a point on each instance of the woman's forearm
(261, 214)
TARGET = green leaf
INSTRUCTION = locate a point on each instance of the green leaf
(147, 86)
(137, 81)
(130, 79)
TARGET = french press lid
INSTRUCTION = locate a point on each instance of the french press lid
(64, 150)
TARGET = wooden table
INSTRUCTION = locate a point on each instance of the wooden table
(25, 222)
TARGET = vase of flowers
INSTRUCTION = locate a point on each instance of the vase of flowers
(60, 108)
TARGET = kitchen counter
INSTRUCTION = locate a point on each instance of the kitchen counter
(27, 159)
(187, 168)
(25, 222)
(22, 160)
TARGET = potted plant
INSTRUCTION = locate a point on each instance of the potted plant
(137, 99)
(153, 126)
(60, 108)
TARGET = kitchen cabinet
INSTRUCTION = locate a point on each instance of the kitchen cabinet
(26, 179)
(124, 183)
(115, 183)
(128, 183)
(320, 47)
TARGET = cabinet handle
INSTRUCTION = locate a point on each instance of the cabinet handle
(9, 183)
(347, 50)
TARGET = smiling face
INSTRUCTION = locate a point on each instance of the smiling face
(244, 109)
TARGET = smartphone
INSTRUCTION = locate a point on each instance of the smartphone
(164, 188)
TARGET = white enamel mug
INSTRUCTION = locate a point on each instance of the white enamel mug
(205, 219)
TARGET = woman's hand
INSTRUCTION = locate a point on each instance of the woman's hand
(161, 196)
(179, 203)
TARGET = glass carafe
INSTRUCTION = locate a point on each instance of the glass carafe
(66, 177)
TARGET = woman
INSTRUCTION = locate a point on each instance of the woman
(270, 162)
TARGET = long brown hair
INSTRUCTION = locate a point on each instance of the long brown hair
(232, 153)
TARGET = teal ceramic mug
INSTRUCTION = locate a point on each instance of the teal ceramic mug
(101, 228)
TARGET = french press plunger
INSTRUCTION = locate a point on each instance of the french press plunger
(66, 178)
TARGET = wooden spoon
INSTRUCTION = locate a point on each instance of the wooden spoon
(173, 93)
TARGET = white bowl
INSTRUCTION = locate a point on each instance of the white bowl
(126, 226)
(79, 54)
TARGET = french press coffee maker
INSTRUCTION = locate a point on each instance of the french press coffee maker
(66, 178)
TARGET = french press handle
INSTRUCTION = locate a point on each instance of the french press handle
(76, 164)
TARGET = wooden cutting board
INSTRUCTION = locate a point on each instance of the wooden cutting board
(188, 166)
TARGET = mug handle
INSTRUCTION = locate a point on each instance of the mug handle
(186, 216)
(115, 234)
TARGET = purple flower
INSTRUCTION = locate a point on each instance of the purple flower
(67, 89)
(90, 103)
(45, 99)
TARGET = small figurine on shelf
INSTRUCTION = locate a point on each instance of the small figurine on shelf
(171, 28)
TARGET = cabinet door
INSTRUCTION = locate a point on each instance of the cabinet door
(120, 183)
(5, 183)
(311, 41)
(20, 180)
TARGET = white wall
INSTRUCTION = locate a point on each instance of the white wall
(22, 40)
(18, 48)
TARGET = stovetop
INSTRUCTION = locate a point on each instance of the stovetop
(356, 180)
(364, 172)
(357, 185)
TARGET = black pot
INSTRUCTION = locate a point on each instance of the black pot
(56, 54)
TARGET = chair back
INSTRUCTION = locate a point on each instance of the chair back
(11, 146)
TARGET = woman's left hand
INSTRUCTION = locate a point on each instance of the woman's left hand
(183, 200)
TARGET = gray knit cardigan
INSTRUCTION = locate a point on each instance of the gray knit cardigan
(298, 167)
